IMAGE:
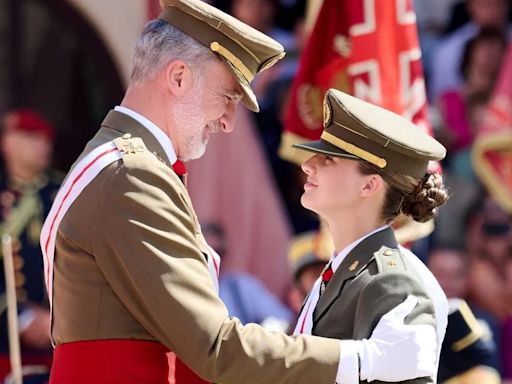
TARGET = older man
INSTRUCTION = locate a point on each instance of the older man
(130, 276)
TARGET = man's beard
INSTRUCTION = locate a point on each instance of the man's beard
(194, 129)
(195, 144)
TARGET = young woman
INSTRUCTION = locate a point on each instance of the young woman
(370, 166)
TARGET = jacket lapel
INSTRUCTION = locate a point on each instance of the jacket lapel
(351, 266)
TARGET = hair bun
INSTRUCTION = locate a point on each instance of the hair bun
(427, 197)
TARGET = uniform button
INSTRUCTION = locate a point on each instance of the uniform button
(388, 252)
(127, 136)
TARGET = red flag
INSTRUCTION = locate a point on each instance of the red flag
(368, 48)
(492, 150)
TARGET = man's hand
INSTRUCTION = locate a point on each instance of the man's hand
(396, 351)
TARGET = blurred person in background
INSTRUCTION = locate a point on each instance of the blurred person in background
(477, 357)
(27, 191)
(447, 56)
(489, 245)
(461, 111)
(308, 254)
(432, 17)
(244, 295)
(462, 108)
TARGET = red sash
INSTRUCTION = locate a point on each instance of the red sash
(118, 362)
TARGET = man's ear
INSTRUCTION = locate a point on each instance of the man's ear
(373, 184)
(178, 77)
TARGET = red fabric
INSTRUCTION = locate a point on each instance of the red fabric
(118, 362)
(179, 168)
(453, 110)
(184, 375)
(365, 48)
(492, 150)
(326, 276)
(25, 120)
(26, 360)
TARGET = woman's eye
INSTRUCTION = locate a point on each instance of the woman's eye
(328, 158)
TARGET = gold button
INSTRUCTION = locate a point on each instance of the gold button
(127, 136)
(388, 252)
(391, 263)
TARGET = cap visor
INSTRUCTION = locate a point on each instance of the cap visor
(248, 98)
(325, 148)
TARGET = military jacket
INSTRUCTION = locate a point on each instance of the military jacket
(130, 264)
(372, 279)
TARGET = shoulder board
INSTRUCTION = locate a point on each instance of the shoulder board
(129, 145)
(389, 259)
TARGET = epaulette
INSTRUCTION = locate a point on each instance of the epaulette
(389, 259)
(464, 327)
(129, 145)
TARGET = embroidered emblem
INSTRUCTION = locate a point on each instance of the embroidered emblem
(354, 265)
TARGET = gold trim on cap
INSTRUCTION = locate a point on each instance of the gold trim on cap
(270, 62)
(229, 56)
(352, 149)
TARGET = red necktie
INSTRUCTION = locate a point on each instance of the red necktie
(181, 171)
(179, 168)
(326, 276)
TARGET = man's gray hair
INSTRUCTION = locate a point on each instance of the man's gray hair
(158, 44)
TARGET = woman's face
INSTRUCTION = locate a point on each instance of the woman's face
(333, 184)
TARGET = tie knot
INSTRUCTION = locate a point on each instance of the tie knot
(179, 168)
(327, 274)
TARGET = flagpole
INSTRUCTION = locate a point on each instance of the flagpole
(12, 311)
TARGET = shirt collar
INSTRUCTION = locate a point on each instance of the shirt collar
(337, 260)
(161, 137)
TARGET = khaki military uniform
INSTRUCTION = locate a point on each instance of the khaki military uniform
(131, 263)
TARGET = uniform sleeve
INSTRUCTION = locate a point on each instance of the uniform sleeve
(148, 252)
(384, 292)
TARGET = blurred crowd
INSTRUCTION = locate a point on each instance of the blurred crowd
(464, 46)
